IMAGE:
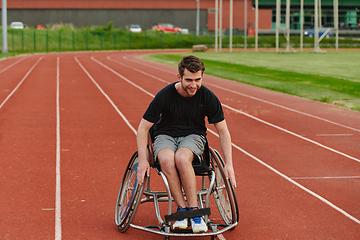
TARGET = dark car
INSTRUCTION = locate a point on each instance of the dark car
(311, 32)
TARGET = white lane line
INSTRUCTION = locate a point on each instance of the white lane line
(13, 64)
(58, 231)
(272, 169)
(140, 71)
(19, 84)
(341, 177)
(251, 97)
(121, 76)
(334, 135)
(250, 116)
(107, 97)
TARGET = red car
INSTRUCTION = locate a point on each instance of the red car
(166, 28)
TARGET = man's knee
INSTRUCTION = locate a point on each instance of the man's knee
(166, 158)
(183, 157)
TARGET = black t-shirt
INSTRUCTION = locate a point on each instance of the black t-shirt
(179, 116)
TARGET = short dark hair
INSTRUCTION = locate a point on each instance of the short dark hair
(192, 64)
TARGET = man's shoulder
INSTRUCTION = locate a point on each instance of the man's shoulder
(167, 88)
(206, 91)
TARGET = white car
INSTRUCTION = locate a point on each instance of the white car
(135, 28)
(17, 25)
(184, 30)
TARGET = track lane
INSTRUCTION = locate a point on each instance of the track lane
(9, 63)
(10, 77)
(27, 152)
(94, 139)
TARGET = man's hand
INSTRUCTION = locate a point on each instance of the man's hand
(225, 142)
(142, 140)
(143, 168)
(229, 174)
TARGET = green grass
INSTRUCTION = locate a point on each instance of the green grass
(329, 77)
(68, 38)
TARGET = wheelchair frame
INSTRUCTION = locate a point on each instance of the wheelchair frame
(220, 187)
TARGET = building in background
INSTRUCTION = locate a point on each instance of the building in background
(181, 13)
(349, 16)
(146, 13)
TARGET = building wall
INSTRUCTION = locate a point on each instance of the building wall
(122, 18)
(105, 4)
(126, 12)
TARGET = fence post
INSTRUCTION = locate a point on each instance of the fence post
(47, 40)
(178, 41)
(145, 39)
(73, 40)
(34, 40)
(101, 39)
(86, 40)
(162, 39)
(114, 40)
(129, 40)
(22, 40)
(12, 40)
(59, 40)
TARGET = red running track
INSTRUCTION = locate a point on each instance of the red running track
(67, 131)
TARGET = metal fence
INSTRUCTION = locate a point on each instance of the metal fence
(33, 40)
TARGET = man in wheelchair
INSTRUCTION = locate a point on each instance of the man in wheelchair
(176, 117)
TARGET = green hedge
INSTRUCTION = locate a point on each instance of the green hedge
(65, 39)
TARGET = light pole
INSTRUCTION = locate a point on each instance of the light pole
(4, 27)
(245, 24)
(231, 26)
(198, 18)
(216, 24)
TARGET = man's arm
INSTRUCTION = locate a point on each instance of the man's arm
(225, 142)
(142, 139)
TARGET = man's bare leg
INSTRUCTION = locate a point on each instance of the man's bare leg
(166, 158)
(183, 162)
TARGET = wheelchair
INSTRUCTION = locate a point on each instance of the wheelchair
(216, 191)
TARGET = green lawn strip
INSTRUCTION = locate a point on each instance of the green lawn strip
(6, 55)
(342, 64)
(310, 86)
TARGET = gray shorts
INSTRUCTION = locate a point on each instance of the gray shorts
(196, 143)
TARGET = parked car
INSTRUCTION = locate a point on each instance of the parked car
(56, 26)
(135, 28)
(311, 32)
(17, 25)
(184, 30)
(166, 28)
(40, 26)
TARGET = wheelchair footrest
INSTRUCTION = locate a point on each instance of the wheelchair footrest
(188, 214)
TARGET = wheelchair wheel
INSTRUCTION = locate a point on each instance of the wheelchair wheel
(223, 191)
(129, 195)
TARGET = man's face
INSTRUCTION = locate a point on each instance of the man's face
(190, 83)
